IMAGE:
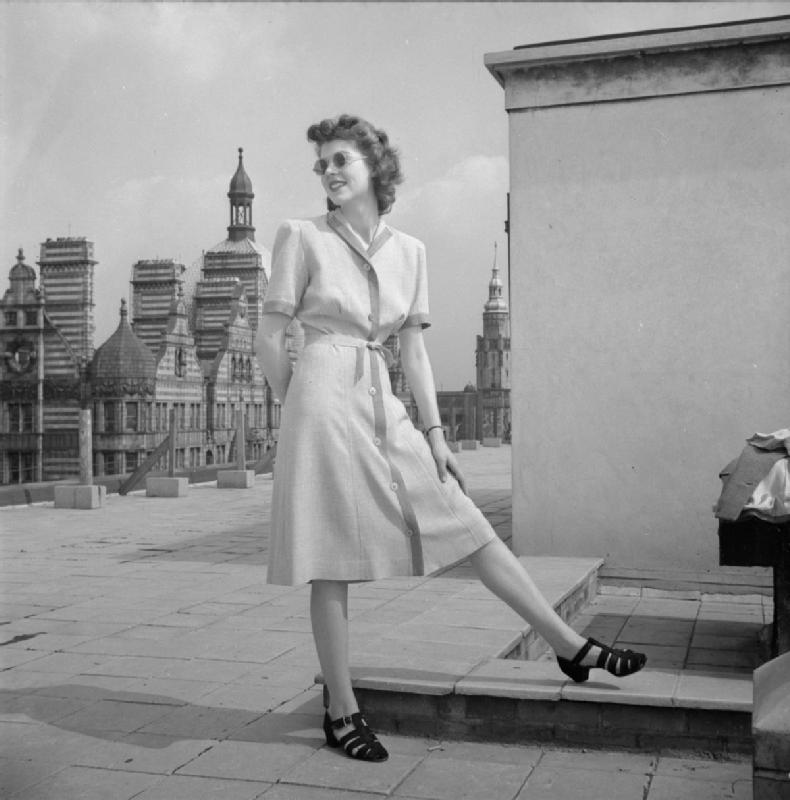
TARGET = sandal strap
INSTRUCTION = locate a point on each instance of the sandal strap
(356, 741)
(583, 650)
(617, 662)
(342, 722)
(361, 742)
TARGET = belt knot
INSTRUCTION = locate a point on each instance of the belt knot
(375, 347)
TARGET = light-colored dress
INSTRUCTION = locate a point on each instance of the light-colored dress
(356, 491)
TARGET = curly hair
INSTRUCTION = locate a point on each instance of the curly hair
(382, 158)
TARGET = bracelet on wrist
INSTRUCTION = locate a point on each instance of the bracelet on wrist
(433, 427)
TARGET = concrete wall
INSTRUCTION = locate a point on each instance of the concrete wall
(650, 283)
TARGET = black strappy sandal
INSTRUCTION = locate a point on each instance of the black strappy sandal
(361, 743)
(617, 662)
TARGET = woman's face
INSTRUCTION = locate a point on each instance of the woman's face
(351, 182)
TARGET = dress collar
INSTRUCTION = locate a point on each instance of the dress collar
(340, 224)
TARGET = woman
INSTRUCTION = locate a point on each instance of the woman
(359, 493)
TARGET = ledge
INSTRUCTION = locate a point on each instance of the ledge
(647, 64)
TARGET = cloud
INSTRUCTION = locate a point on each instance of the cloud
(136, 192)
(464, 187)
(459, 215)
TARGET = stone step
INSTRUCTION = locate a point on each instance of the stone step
(449, 671)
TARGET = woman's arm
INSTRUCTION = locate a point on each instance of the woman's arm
(417, 367)
(271, 351)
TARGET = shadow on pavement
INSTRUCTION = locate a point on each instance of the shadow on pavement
(113, 715)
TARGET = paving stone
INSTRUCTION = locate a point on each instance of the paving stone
(681, 594)
(550, 783)
(665, 787)
(332, 769)
(714, 641)
(143, 752)
(705, 769)
(434, 681)
(456, 779)
(38, 741)
(56, 662)
(714, 690)
(485, 752)
(198, 721)
(178, 620)
(249, 760)
(261, 698)
(38, 707)
(85, 783)
(723, 658)
(650, 687)
(658, 655)
(622, 591)
(17, 774)
(17, 679)
(309, 702)
(598, 760)
(383, 667)
(529, 680)
(88, 687)
(275, 727)
(412, 745)
(178, 787)
(274, 674)
(642, 630)
(130, 667)
(288, 792)
(679, 609)
(171, 691)
(113, 715)
(124, 646)
(453, 634)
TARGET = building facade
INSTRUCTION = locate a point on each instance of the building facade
(649, 178)
(191, 355)
(482, 412)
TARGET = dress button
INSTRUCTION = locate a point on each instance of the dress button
(394, 486)
(409, 532)
(367, 267)
(377, 441)
(372, 390)
(370, 317)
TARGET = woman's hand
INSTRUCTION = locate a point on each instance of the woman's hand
(446, 462)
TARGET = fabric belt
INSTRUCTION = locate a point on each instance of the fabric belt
(361, 345)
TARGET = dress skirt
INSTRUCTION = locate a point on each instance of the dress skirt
(356, 491)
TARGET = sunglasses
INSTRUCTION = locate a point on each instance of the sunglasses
(337, 160)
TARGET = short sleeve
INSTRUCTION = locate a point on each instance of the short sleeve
(288, 277)
(418, 312)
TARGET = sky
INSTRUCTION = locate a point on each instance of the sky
(120, 122)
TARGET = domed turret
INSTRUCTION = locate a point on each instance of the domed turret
(23, 282)
(241, 196)
(240, 183)
(21, 271)
(123, 364)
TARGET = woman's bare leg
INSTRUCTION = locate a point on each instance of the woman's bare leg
(504, 575)
(329, 616)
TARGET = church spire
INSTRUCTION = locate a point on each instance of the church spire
(240, 195)
(496, 302)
